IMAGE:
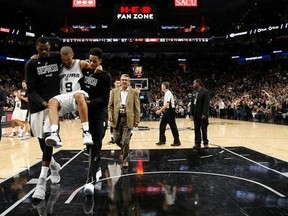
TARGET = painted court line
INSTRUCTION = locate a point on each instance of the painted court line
(259, 164)
(241, 156)
(71, 197)
(32, 191)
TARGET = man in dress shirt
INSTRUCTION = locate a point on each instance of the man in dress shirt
(123, 114)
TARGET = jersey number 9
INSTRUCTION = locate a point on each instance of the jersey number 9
(68, 86)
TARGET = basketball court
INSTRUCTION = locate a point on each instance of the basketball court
(243, 173)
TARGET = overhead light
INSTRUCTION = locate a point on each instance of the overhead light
(29, 34)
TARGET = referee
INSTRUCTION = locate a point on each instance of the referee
(168, 117)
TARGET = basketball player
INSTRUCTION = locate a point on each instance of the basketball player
(24, 108)
(42, 77)
(17, 116)
(97, 84)
(70, 99)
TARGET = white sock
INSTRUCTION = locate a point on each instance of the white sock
(85, 126)
(44, 172)
(54, 127)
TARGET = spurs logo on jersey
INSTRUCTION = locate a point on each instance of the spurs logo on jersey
(69, 78)
(90, 81)
(47, 69)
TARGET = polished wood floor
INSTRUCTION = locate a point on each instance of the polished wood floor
(17, 155)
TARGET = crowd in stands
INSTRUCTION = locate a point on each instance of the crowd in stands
(250, 91)
(11, 76)
(254, 91)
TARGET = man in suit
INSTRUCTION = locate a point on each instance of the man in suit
(3, 102)
(200, 102)
(123, 114)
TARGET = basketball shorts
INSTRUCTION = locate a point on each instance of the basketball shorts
(67, 102)
(40, 123)
(24, 115)
(19, 114)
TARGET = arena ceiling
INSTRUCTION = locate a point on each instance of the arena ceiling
(218, 15)
(215, 17)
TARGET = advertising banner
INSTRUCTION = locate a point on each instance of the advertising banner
(135, 13)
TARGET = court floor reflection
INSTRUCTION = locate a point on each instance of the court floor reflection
(221, 181)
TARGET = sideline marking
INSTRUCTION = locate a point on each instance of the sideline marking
(71, 197)
(259, 164)
(32, 191)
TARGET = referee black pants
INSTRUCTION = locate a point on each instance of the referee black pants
(168, 118)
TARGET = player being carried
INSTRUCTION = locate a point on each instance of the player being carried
(71, 97)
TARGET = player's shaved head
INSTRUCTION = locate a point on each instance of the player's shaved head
(66, 50)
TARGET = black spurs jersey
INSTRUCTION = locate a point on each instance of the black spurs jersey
(43, 82)
(24, 104)
(97, 85)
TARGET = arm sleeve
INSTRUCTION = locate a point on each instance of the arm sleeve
(137, 106)
(111, 104)
(30, 76)
(191, 105)
(105, 92)
(206, 104)
(169, 97)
